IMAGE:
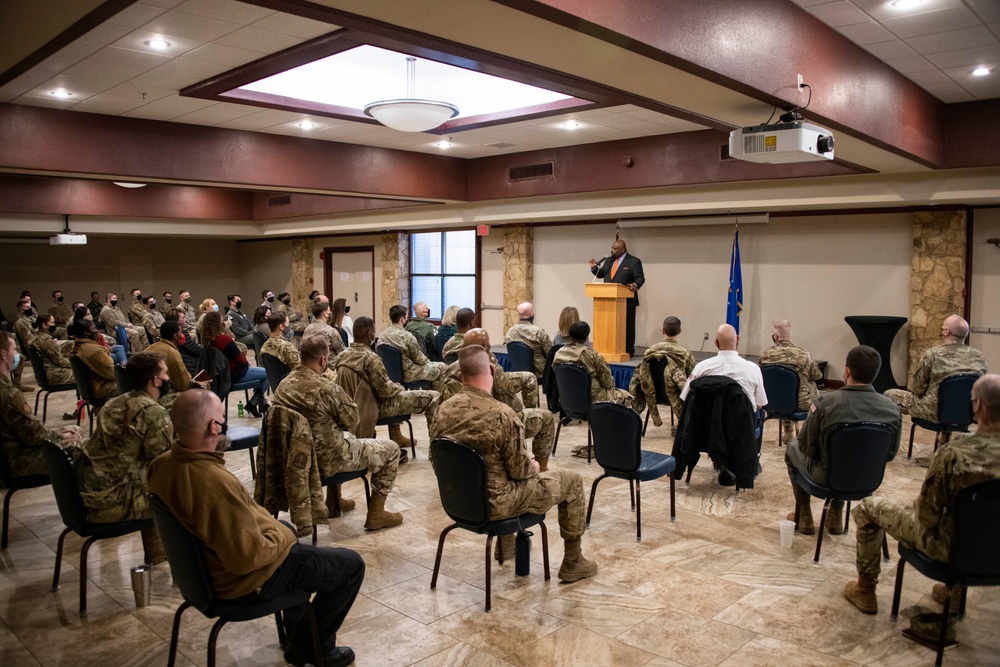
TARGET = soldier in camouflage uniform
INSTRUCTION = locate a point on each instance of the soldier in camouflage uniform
(137, 308)
(465, 319)
(112, 316)
(24, 327)
(952, 357)
(189, 326)
(152, 319)
(95, 306)
(296, 319)
(680, 363)
(132, 430)
(277, 344)
(856, 402)
(416, 365)
(602, 383)
(928, 524)
(527, 332)
(21, 432)
(63, 314)
(539, 424)
(473, 417)
(391, 397)
(320, 326)
(167, 304)
(785, 354)
(330, 412)
(55, 357)
(423, 330)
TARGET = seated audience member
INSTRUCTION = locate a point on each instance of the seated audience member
(423, 330)
(416, 365)
(152, 319)
(26, 296)
(137, 308)
(392, 398)
(539, 424)
(188, 347)
(167, 304)
(330, 412)
(21, 432)
(339, 319)
(168, 347)
(214, 333)
(532, 335)
(953, 356)
(267, 298)
(321, 327)
(55, 356)
(131, 431)
(928, 523)
(260, 316)
(105, 341)
(205, 307)
(62, 313)
(730, 364)
(567, 318)
(465, 319)
(239, 324)
(277, 344)
(447, 328)
(783, 352)
(97, 358)
(248, 554)
(602, 383)
(474, 418)
(112, 316)
(190, 320)
(856, 402)
(95, 306)
(522, 382)
(296, 319)
(680, 363)
(24, 327)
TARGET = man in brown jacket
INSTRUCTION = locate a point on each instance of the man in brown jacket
(97, 359)
(249, 555)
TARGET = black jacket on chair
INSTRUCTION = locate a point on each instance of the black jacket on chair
(718, 419)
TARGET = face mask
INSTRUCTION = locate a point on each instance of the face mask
(168, 300)
(60, 299)
(181, 339)
(237, 304)
(113, 302)
(17, 360)
(287, 302)
(187, 299)
(215, 308)
(151, 305)
(138, 297)
(270, 299)
(347, 309)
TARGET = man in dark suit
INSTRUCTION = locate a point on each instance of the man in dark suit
(626, 270)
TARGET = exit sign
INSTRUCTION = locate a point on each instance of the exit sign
(482, 230)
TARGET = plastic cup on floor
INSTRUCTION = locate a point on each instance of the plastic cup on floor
(787, 531)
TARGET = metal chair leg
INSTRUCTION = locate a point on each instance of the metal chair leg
(593, 493)
(83, 574)
(644, 425)
(898, 590)
(555, 441)
(437, 558)
(638, 511)
(6, 517)
(819, 531)
(489, 573)
(314, 631)
(59, 553)
(673, 512)
(909, 452)
(413, 445)
(545, 549)
(212, 637)
(943, 634)
(253, 465)
(631, 493)
(175, 634)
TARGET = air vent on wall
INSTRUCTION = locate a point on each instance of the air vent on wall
(540, 170)
(283, 200)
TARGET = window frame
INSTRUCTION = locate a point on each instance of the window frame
(476, 275)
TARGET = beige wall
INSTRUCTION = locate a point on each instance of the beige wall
(813, 270)
(985, 285)
(206, 267)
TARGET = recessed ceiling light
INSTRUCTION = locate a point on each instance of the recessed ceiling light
(570, 125)
(444, 144)
(125, 184)
(307, 125)
(61, 93)
(159, 44)
(905, 4)
(981, 71)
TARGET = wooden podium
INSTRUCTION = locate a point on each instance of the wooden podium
(609, 318)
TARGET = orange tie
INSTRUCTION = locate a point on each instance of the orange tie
(614, 267)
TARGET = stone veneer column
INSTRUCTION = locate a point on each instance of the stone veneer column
(395, 274)
(518, 271)
(302, 274)
(937, 277)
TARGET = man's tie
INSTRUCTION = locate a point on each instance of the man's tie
(614, 267)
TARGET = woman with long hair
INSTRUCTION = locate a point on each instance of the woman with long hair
(339, 319)
(260, 315)
(567, 317)
(213, 332)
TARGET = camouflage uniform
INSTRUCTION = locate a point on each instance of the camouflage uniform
(57, 368)
(330, 411)
(786, 354)
(112, 317)
(62, 313)
(136, 313)
(425, 331)
(21, 432)
(190, 318)
(936, 364)
(454, 344)
(478, 420)
(132, 430)
(523, 382)
(281, 349)
(151, 321)
(602, 383)
(680, 363)
(535, 338)
(296, 320)
(392, 399)
(416, 365)
(25, 332)
(330, 335)
(927, 524)
(539, 424)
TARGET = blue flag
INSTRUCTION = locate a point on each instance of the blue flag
(734, 302)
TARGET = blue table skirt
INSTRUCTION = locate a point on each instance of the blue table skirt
(621, 372)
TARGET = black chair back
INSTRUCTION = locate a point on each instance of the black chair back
(781, 384)
(657, 367)
(81, 373)
(617, 437)
(422, 344)
(343, 336)
(857, 456)
(65, 486)
(37, 366)
(392, 359)
(122, 337)
(461, 478)
(522, 357)
(214, 362)
(574, 390)
(184, 554)
(276, 370)
(955, 401)
(124, 384)
(975, 544)
(258, 340)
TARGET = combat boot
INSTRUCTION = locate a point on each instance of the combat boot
(835, 518)
(152, 546)
(543, 463)
(396, 435)
(861, 594)
(504, 548)
(574, 566)
(940, 591)
(378, 518)
(787, 431)
(346, 504)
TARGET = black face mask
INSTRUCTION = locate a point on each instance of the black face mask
(237, 304)
(287, 302)
(187, 299)
(138, 297)
(347, 309)
(113, 302)
(168, 300)
(151, 306)
(270, 299)
(60, 299)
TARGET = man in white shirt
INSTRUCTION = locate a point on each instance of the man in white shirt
(730, 364)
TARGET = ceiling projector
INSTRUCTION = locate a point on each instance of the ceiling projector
(796, 141)
(68, 239)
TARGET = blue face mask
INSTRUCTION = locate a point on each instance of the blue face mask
(215, 308)
(17, 360)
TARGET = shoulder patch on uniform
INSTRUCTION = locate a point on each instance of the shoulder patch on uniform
(300, 460)
(812, 407)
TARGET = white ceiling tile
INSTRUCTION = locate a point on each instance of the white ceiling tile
(809, 3)
(954, 18)
(117, 64)
(967, 57)
(932, 77)
(106, 33)
(890, 50)
(222, 55)
(215, 114)
(988, 10)
(837, 14)
(911, 64)
(136, 41)
(954, 40)
(683, 125)
(109, 104)
(68, 56)
(981, 87)
(190, 26)
(81, 87)
(50, 102)
(636, 125)
(178, 73)
(883, 9)
(259, 40)
(225, 10)
(137, 14)
(165, 4)
(143, 94)
(23, 84)
(866, 33)
(342, 129)
(296, 26)
(169, 108)
(271, 117)
(950, 93)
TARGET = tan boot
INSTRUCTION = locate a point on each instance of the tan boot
(806, 524)
(396, 435)
(861, 594)
(940, 591)
(503, 550)
(787, 432)
(152, 547)
(835, 519)
(543, 463)
(574, 566)
(378, 518)
(346, 504)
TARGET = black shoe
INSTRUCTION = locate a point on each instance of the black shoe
(252, 409)
(726, 478)
(338, 657)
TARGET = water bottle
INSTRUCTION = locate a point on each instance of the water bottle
(239, 409)
(522, 553)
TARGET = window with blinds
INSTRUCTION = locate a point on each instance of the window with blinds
(443, 270)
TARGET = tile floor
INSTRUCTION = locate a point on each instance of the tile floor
(713, 588)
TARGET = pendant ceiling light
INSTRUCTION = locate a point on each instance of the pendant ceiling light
(411, 114)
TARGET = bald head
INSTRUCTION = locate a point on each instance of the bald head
(781, 330)
(955, 327)
(525, 310)
(421, 310)
(477, 337)
(726, 338)
(986, 403)
(197, 416)
(474, 364)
